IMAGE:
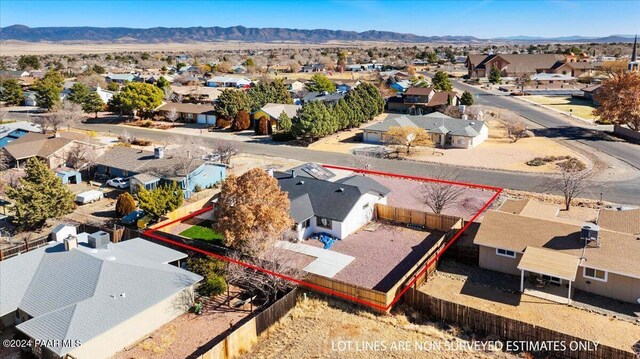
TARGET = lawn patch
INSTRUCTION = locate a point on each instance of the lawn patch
(203, 233)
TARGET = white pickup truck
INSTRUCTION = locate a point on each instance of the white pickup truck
(89, 196)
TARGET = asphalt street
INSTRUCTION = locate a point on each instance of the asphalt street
(621, 192)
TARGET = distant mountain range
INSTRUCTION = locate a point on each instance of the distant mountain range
(241, 33)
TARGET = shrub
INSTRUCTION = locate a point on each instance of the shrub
(283, 137)
(213, 286)
(242, 121)
(122, 144)
(572, 164)
(262, 127)
(92, 134)
(140, 142)
(197, 188)
(223, 123)
(146, 123)
(125, 204)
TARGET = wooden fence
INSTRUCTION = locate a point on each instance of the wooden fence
(26, 245)
(242, 336)
(182, 212)
(117, 233)
(464, 253)
(428, 220)
(505, 328)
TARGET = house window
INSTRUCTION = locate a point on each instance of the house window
(324, 222)
(306, 223)
(596, 274)
(550, 279)
(505, 253)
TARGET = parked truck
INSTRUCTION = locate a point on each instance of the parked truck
(89, 196)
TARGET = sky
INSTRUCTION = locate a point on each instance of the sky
(483, 19)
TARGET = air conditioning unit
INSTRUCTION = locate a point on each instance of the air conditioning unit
(590, 233)
(99, 240)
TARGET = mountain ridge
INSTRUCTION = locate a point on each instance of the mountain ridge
(247, 34)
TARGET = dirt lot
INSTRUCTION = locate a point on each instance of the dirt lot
(407, 194)
(244, 162)
(507, 302)
(578, 107)
(315, 328)
(185, 334)
(502, 152)
(382, 256)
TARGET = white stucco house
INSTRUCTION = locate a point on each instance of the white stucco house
(445, 131)
(337, 208)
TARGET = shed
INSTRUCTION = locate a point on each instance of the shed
(69, 176)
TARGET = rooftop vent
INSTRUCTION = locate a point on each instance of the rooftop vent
(70, 243)
(99, 240)
(158, 152)
(341, 189)
(293, 173)
(300, 183)
(590, 233)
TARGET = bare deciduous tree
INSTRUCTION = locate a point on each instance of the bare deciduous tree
(440, 196)
(172, 116)
(475, 112)
(81, 155)
(4, 160)
(66, 113)
(361, 161)
(277, 260)
(191, 150)
(226, 150)
(571, 183)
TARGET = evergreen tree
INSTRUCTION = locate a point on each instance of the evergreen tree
(230, 102)
(494, 75)
(466, 99)
(48, 89)
(163, 83)
(93, 104)
(161, 200)
(284, 122)
(441, 82)
(11, 92)
(28, 62)
(137, 96)
(319, 83)
(79, 93)
(41, 195)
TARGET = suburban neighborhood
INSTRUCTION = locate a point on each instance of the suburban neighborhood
(176, 185)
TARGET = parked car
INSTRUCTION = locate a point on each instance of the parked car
(133, 217)
(118, 182)
(89, 196)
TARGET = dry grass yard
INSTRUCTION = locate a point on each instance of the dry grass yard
(578, 107)
(559, 317)
(315, 328)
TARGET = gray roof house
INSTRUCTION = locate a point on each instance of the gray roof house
(150, 169)
(338, 208)
(91, 298)
(322, 96)
(445, 131)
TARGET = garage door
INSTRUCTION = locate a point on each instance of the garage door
(211, 119)
(202, 119)
(372, 137)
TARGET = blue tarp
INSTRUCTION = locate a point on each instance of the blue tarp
(326, 239)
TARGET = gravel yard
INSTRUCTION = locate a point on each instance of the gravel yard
(498, 293)
(184, 335)
(383, 256)
(407, 194)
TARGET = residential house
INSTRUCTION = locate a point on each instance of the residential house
(105, 95)
(401, 86)
(445, 131)
(554, 255)
(190, 112)
(273, 111)
(120, 78)
(229, 81)
(322, 96)
(11, 131)
(420, 100)
(590, 91)
(345, 86)
(9, 74)
(511, 65)
(51, 150)
(151, 169)
(239, 69)
(278, 68)
(363, 67)
(313, 68)
(337, 208)
(90, 298)
(197, 94)
(295, 86)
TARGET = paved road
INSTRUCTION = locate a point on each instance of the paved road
(552, 126)
(623, 192)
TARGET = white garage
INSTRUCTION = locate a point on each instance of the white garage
(206, 119)
(372, 137)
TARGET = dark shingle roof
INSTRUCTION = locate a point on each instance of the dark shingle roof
(334, 200)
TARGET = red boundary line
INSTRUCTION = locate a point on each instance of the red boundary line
(151, 233)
